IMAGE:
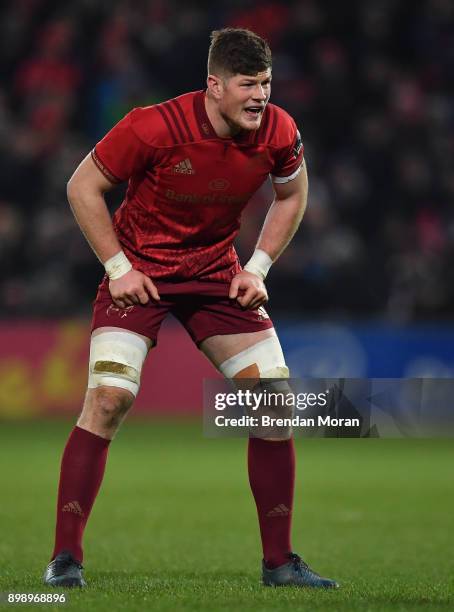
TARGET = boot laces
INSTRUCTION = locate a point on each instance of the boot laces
(298, 564)
(64, 561)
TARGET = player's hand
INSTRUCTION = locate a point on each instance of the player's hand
(248, 289)
(134, 287)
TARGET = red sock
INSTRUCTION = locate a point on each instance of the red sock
(272, 478)
(82, 470)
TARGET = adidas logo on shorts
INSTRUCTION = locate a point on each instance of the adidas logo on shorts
(262, 314)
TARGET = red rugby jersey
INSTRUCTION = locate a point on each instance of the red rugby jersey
(187, 187)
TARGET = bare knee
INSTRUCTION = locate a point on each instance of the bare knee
(104, 409)
(113, 403)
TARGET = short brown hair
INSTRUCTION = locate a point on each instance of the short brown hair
(238, 51)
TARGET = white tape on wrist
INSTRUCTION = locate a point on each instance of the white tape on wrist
(259, 264)
(117, 266)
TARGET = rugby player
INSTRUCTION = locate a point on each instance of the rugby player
(192, 164)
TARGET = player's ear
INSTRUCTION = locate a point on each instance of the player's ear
(215, 86)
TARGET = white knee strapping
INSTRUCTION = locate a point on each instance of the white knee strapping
(116, 360)
(267, 355)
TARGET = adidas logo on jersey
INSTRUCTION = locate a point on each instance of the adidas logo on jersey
(184, 167)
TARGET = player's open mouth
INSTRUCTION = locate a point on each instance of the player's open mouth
(254, 111)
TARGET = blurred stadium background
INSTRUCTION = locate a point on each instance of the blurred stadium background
(365, 289)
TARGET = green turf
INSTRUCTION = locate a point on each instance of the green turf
(175, 529)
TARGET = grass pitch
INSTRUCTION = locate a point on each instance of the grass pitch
(175, 528)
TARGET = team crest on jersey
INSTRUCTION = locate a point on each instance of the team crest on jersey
(219, 184)
(184, 167)
(298, 144)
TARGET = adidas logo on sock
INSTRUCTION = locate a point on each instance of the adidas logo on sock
(73, 507)
(280, 510)
(184, 167)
